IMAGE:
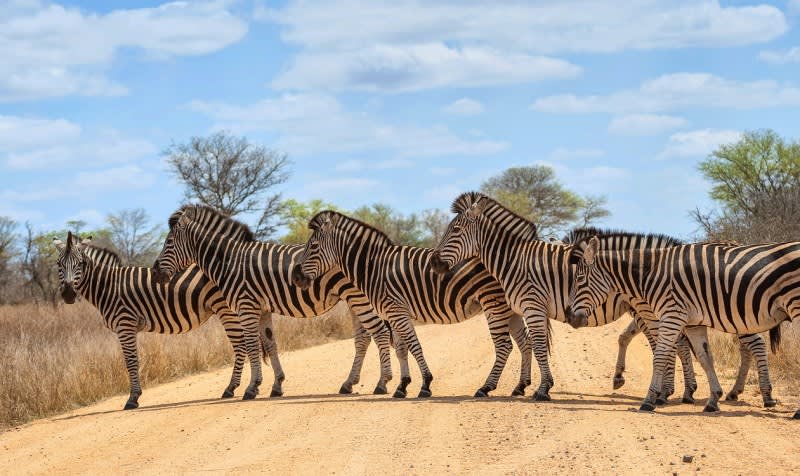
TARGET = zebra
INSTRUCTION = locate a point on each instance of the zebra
(255, 277)
(750, 345)
(533, 273)
(130, 302)
(401, 285)
(735, 289)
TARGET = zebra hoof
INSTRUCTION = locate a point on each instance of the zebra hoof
(345, 389)
(399, 394)
(519, 391)
(618, 382)
(424, 393)
(275, 393)
(796, 415)
(131, 405)
(647, 407)
(380, 390)
(711, 408)
(541, 397)
(688, 400)
(732, 397)
(661, 401)
(481, 393)
(770, 403)
(250, 395)
(228, 393)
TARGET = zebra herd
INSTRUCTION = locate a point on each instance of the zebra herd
(490, 261)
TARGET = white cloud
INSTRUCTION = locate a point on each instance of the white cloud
(415, 67)
(393, 164)
(543, 27)
(349, 166)
(464, 107)
(562, 153)
(61, 50)
(677, 91)
(697, 143)
(33, 143)
(792, 55)
(126, 177)
(443, 171)
(793, 6)
(315, 123)
(645, 124)
(413, 45)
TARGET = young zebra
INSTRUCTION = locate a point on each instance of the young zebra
(535, 275)
(401, 285)
(750, 346)
(130, 301)
(255, 277)
(735, 289)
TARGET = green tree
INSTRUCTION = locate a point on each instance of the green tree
(402, 229)
(232, 175)
(755, 182)
(433, 223)
(296, 215)
(535, 193)
(8, 236)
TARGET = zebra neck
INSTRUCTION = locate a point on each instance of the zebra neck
(361, 257)
(629, 271)
(95, 281)
(497, 249)
(215, 254)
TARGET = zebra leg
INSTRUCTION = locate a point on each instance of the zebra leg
(744, 368)
(383, 339)
(401, 322)
(624, 340)
(266, 335)
(538, 331)
(401, 350)
(669, 331)
(235, 335)
(758, 349)
(520, 335)
(699, 339)
(127, 340)
(365, 318)
(498, 328)
(689, 379)
(250, 322)
(361, 339)
(668, 385)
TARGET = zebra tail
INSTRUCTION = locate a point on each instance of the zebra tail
(264, 353)
(775, 339)
(391, 334)
(549, 337)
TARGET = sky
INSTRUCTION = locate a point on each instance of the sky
(404, 103)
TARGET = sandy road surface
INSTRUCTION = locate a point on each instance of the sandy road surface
(183, 428)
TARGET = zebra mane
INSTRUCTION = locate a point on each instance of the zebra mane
(498, 214)
(629, 238)
(348, 223)
(103, 255)
(619, 240)
(213, 220)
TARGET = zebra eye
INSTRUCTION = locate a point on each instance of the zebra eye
(456, 229)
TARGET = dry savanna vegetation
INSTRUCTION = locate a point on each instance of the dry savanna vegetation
(55, 359)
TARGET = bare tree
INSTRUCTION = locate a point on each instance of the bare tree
(39, 267)
(232, 175)
(7, 237)
(133, 236)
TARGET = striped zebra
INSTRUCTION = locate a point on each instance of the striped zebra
(130, 302)
(255, 278)
(750, 345)
(534, 275)
(686, 288)
(401, 286)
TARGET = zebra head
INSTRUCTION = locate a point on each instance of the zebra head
(319, 255)
(175, 255)
(71, 266)
(460, 241)
(590, 287)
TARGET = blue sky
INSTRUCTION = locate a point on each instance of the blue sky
(406, 103)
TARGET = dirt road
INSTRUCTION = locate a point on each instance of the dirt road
(182, 427)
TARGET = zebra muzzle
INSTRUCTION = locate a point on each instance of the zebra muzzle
(438, 264)
(299, 278)
(577, 319)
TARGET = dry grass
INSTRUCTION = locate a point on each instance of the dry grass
(56, 359)
(784, 366)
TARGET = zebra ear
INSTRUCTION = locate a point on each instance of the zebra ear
(87, 240)
(58, 243)
(590, 250)
(330, 222)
